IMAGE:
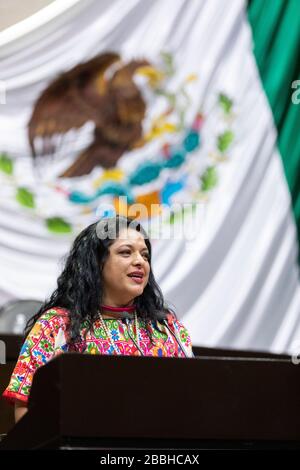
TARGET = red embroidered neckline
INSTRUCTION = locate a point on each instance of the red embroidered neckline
(108, 308)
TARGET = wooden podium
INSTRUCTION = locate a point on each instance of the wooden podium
(112, 402)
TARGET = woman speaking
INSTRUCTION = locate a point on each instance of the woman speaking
(106, 302)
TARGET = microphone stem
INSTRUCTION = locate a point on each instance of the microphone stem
(132, 339)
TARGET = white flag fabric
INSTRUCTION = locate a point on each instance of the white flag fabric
(235, 284)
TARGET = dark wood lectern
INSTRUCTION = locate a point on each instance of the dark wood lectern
(111, 402)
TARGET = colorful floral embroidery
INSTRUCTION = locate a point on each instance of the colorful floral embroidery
(47, 339)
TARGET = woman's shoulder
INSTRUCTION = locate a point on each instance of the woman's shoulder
(178, 324)
(182, 333)
(53, 319)
(171, 317)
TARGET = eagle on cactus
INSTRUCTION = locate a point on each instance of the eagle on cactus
(102, 91)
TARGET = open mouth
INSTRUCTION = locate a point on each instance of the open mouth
(137, 278)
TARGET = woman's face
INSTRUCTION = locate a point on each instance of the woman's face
(128, 255)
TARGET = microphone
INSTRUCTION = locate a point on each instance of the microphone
(125, 316)
(162, 316)
(126, 319)
(121, 315)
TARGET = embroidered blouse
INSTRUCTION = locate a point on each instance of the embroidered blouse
(48, 338)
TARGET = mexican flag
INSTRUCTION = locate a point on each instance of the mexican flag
(276, 36)
(221, 147)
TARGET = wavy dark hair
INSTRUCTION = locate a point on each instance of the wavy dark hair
(80, 286)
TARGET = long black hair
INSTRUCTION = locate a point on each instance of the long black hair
(80, 286)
